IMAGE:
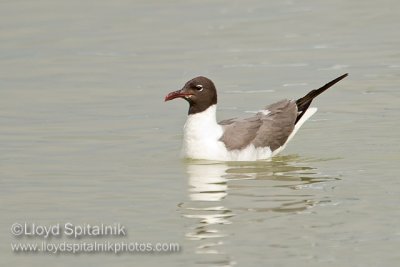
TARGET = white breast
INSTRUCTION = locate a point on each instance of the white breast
(201, 136)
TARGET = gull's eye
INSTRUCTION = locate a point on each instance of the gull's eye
(199, 87)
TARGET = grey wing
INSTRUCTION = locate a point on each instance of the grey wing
(268, 128)
(277, 125)
(239, 133)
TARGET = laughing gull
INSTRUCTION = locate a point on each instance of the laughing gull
(247, 139)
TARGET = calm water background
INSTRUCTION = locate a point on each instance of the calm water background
(86, 138)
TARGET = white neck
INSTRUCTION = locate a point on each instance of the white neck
(208, 116)
(202, 134)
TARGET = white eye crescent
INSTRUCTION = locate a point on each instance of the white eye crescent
(199, 87)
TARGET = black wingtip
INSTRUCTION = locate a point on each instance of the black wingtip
(326, 86)
(314, 93)
(340, 78)
(304, 102)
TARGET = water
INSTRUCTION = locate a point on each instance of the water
(86, 138)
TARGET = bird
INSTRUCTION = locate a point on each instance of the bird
(258, 137)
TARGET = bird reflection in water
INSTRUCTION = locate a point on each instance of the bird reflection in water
(283, 184)
(207, 187)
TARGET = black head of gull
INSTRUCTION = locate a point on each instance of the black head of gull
(200, 92)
